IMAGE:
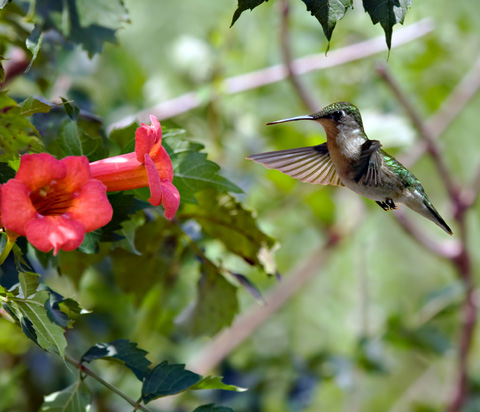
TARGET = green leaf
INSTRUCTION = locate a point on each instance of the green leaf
(387, 13)
(215, 306)
(62, 311)
(70, 139)
(245, 5)
(28, 283)
(91, 137)
(193, 172)
(222, 217)
(106, 13)
(165, 379)
(328, 12)
(71, 308)
(123, 350)
(71, 110)
(174, 143)
(215, 382)
(49, 336)
(212, 408)
(17, 134)
(75, 398)
(32, 105)
(124, 137)
(34, 41)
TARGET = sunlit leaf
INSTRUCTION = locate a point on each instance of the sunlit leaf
(165, 379)
(215, 382)
(32, 105)
(62, 311)
(34, 42)
(49, 335)
(387, 13)
(222, 217)
(122, 350)
(75, 398)
(193, 172)
(28, 283)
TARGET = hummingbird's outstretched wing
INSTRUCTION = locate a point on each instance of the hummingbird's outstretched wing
(308, 164)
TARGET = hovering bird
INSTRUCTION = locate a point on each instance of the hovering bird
(349, 158)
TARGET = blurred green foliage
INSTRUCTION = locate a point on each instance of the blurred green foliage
(375, 330)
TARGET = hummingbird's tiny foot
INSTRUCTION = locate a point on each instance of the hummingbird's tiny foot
(391, 204)
(383, 205)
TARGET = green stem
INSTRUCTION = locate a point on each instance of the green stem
(87, 371)
(6, 250)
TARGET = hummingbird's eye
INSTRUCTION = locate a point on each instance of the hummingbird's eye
(337, 115)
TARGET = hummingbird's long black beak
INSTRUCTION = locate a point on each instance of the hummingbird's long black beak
(292, 119)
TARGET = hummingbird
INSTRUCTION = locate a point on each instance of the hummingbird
(349, 158)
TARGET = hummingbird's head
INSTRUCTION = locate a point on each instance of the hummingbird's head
(339, 116)
(334, 117)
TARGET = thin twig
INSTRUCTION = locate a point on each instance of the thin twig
(273, 74)
(303, 93)
(86, 370)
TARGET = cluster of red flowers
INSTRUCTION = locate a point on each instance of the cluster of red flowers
(55, 202)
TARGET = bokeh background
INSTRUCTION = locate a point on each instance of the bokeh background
(376, 324)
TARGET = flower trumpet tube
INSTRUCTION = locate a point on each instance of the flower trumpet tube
(54, 202)
(149, 166)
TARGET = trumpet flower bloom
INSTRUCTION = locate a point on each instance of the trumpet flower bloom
(149, 166)
(54, 202)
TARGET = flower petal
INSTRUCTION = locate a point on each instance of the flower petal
(171, 199)
(156, 128)
(78, 172)
(91, 207)
(146, 137)
(162, 162)
(153, 182)
(144, 140)
(54, 232)
(17, 208)
(122, 172)
(39, 169)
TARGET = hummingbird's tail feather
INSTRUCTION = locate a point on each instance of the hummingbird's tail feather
(307, 164)
(436, 218)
